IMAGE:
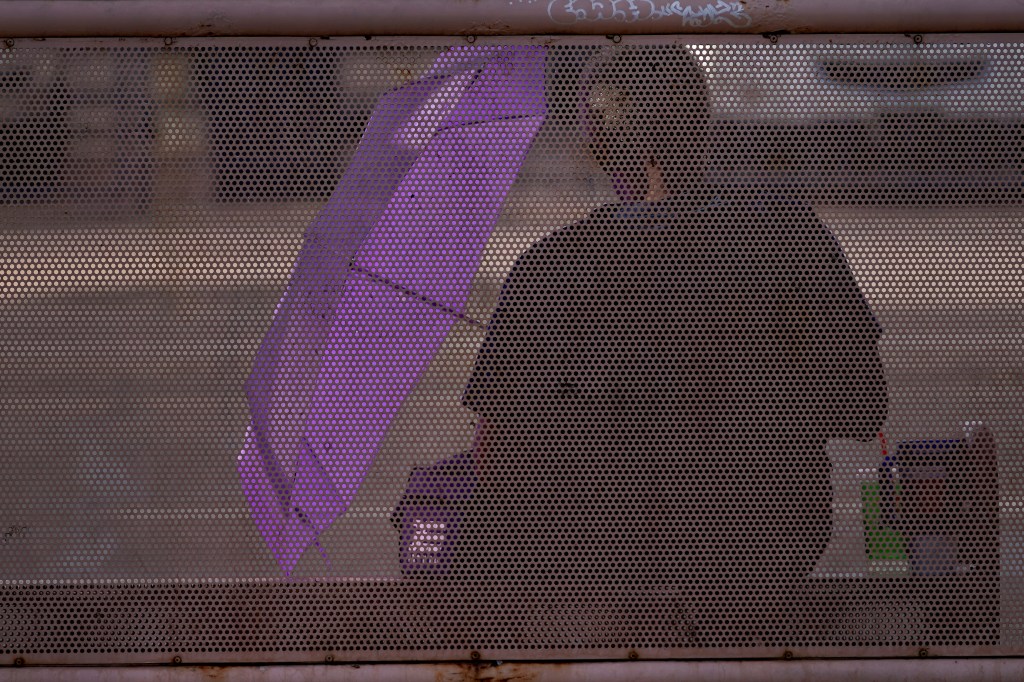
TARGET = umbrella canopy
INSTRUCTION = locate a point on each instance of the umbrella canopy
(383, 274)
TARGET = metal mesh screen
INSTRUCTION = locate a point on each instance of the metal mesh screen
(540, 349)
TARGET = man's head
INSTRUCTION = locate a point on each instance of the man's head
(645, 105)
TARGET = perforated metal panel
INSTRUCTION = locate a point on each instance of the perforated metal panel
(538, 348)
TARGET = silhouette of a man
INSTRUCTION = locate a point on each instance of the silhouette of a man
(659, 380)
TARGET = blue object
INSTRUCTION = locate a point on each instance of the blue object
(914, 487)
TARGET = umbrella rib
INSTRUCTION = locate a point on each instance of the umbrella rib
(406, 291)
(497, 119)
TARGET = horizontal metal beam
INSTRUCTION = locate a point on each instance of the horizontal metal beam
(972, 670)
(84, 18)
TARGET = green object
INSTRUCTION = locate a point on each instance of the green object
(883, 543)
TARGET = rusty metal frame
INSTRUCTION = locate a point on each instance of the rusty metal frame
(548, 40)
(53, 18)
(795, 670)
(21, 19)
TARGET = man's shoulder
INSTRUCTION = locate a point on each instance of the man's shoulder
(570, 238)
(614, 219)
(720, 214)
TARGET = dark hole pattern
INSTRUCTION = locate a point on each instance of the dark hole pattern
(602, 369)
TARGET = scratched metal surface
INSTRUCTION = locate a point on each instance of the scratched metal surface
(153, 201)
(186, 18)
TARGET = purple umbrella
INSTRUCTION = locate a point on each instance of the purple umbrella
(383, 274)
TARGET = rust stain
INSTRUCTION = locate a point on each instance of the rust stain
(506, 672)
(492, 29)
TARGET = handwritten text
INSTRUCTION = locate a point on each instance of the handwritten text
(693, 16)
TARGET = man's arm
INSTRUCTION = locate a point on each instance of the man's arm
(514, 374)
(851, 365)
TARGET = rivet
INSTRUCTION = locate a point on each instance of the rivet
(9, 43)
(329, 658)
(918, 39)
(633, 656)
(19, 662)
(168, 41)
(615, 38)
(475, 655)
(922, 653)
(313, 42)
(787, 655)
(470, 39)
(176, 660)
